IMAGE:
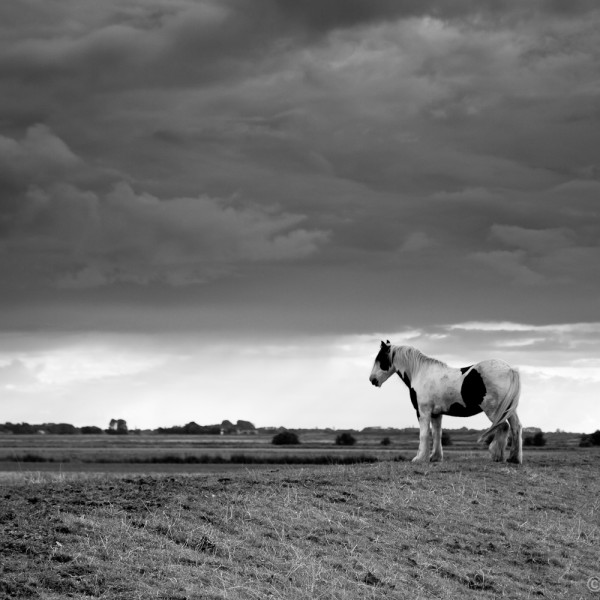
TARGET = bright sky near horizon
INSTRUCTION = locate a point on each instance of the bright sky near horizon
(215, 209)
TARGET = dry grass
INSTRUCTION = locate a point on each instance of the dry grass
(467, 528)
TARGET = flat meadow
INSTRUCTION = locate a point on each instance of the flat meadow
(382, 527)
(86, 452)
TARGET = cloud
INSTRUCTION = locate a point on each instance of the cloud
(558, 328)
(416, 241)
(544, 255)
(531, 240)
(336, 132)
(40, 155)
(85, 363)
(492, 326)
(15, 375)
(128, 237)
(556, 348)
(511, 265)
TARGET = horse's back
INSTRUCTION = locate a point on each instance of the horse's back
(497, 375)
(493, 365)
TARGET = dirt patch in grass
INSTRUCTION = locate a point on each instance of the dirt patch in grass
(462, 529)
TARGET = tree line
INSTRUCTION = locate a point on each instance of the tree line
(120, 427)
(282, 435)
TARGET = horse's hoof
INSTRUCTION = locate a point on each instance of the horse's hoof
(418, 459)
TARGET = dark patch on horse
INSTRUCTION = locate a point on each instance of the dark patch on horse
(472, 391)
(413, 395)
(465, 369)
(413, 399)
(404, 378)
(383, 357)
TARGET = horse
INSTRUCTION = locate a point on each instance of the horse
(491, 386)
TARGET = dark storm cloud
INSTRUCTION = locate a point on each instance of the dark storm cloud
(123, 45)
(322, 16)
(89, 240)
(362, 143)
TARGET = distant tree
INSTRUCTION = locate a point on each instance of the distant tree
(285, 438)
(446, 439)
(90, 430)
(175, 430)
(192, 428)
(592, 439)
(22, 428)
(59, 428)
(117, 427)
(245, 426)
(537, 439)
(345, 439)
(211, 429)
(227, 426)
(386, 441)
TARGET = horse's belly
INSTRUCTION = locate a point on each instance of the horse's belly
(461, 398)
(460, 410)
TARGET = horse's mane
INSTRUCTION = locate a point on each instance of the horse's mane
(413, 360)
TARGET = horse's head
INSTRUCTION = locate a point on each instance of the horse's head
(383, 367)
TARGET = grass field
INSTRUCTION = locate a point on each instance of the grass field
(465, 528)
(90, 452)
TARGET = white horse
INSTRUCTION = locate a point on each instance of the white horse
(491, 386)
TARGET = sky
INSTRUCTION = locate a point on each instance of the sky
(216, 209)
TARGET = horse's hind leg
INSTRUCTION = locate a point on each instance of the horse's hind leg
(516, 447)
(498, 444)
(436, 425)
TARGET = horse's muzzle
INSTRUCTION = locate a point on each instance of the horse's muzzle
(374, 381)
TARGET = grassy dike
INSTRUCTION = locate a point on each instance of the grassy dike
(467, 528)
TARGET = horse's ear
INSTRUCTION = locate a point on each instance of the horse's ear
(388, 343)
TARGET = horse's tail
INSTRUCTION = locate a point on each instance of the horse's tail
(508, 405)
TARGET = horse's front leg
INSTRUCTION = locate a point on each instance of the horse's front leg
(424, 423)
(436, 423)
(516, 449)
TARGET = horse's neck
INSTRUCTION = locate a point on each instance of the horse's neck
(406, 360)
